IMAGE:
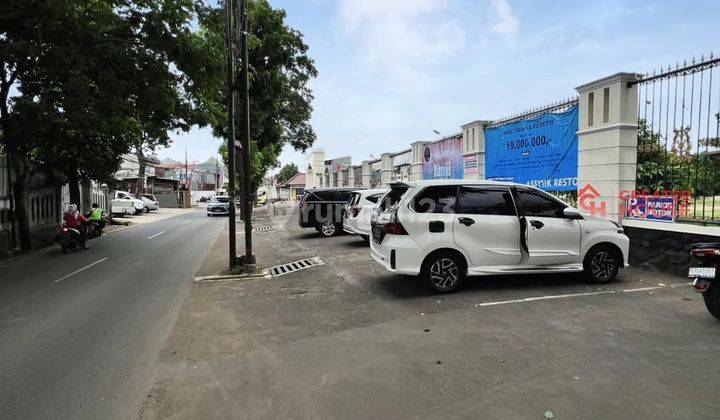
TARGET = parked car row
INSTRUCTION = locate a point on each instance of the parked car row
(445, 230)
(124, 203)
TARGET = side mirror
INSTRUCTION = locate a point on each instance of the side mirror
(571, 213)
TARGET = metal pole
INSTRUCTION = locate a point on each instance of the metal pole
(231, 135)
(245, 137)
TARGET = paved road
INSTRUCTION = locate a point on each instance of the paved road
(82, 344)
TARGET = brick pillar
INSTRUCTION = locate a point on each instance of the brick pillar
(607, 144)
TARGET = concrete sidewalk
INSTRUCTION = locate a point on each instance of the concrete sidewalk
(349, 340)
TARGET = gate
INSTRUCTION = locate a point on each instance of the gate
(678, 143)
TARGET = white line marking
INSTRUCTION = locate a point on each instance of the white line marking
(569, 295)
(156, 235)
(77, 271)
(186, 222)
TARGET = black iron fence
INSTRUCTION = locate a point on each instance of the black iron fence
(678, 137)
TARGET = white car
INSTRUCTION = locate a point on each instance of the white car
(359, 209)
(447, 229)
(150, 202)
(123, 203)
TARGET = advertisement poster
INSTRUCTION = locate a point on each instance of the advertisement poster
(651, 208)
(443, 159)
(471, 165)
(541, 152)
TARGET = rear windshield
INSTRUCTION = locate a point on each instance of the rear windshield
(393, 197)
(354, 198)
(374, 198)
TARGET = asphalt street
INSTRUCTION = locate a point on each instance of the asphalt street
(349, 340)
(80, 333)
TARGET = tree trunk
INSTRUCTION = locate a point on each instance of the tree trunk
(141, 172)
(19, 190)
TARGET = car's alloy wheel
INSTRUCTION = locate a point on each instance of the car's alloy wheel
(602, 265)
(444, 273)
(328, 228)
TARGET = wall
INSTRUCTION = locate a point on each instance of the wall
(664, 251)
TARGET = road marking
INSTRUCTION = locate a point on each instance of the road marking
(186, 222)
(156, 235)
(77, 271)
(570, 295)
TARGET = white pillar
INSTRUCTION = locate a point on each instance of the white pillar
(473, 146)
(386, 173)
(366, 173)
(607, 144)
(351, 176)
(416, 163)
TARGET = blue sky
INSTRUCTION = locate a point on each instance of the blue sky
(392, 71)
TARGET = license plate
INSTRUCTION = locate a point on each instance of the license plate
(702, 272)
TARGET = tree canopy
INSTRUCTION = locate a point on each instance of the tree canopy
(286, 172)
(280, 98)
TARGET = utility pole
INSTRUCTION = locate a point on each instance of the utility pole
(249, 259)
(231, 131)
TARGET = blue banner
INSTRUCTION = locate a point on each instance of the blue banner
(541, 152)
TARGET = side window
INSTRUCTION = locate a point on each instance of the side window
(536, 204)
(343, 196)
(374, 198)
(436, 199)
(321, 196)
(477, 200)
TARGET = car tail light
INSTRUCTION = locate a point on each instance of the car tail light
(705, 252)
(356, 210)
(393, 226)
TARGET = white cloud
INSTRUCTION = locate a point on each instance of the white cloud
(506, 24)
(404, 39)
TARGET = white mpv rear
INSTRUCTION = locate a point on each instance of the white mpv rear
(447, 229)
(359, 209)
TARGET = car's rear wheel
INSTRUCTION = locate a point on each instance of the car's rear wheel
(328, 228)
(601, 264)
(444, 272)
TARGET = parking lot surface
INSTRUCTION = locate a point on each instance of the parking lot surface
(349, 340)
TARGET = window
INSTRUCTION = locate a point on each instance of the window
(322, 195)
(436, 199)
(591, 107)
(374, 198)
(533, 203)
(343, 196)
(606, 104)
(474, 200)
(354, 197)
(393, 197)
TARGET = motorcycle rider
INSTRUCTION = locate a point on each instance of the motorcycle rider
(75, 220)
(96, 216)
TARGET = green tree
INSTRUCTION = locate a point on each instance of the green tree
(280, 99)
(96, 79)
(286, 172)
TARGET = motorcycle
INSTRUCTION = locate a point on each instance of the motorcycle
(704, 273)
(95, 227)
(69, 238)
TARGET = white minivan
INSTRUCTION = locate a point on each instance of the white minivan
(359, 209)
(447, 229)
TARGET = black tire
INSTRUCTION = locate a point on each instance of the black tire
(147, 209)
(712, 300)
(601, 264)
(444, 272)
(365, 238)
(328, 228)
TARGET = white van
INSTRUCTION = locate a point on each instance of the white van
(447, 229)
